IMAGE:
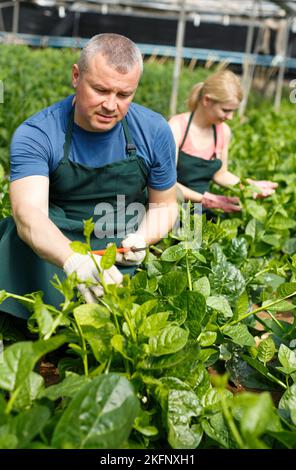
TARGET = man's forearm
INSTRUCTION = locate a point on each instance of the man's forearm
(42, 235)
(158, 221)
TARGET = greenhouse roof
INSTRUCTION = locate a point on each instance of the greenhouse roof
(243, 8)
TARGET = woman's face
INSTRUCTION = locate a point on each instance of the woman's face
(218, 112)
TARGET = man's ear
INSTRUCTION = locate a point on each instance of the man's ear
(75, 75)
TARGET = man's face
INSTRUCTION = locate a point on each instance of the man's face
(103, 95)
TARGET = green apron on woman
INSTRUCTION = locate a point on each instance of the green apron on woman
(194, 172)
(75, 191)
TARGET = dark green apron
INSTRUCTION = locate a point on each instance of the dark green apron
(74, 193)
(194, 172)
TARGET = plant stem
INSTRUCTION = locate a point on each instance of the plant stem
(11, 400)
(231, 423)
(188, 272)
(84, 359)
(259, 309)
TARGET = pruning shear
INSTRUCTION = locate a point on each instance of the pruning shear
(120, 250)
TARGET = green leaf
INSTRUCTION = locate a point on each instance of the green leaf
(239, 334)
(20, 358)
(251, 229)
(154, 323)
(280, 222)
(266, 350)
(256, 210)
(207, 338)
(169, 340)
(286, 288)
(109, 257)
(183, 406)
(79, 247)
(89, 226)
(92, 315)
(173, 283)
(287, 358)
(202, 285)
(173, 253)
(67, 388)
(242, 305)
(220, 303)
(100, 416)
(32, 386)
(118, 342)
(283, 306)
(28, 424)
(288, 403)
(255, 414)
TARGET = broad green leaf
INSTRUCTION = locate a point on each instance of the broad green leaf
(288, 438)
(207, 338)
(173, 283)
(67, 388)
(169, 340)
(255, 415)
(287, 358)
(187, 354)
(20, 358)
(32, 386)
(256, 210)
(286, 288)
(79, 247)
(239, 334)
(216, 428)
(288, 403)
(183, 406)
(154, 323)
(173, 253)
(251, 229)
(280, 222)
(92, 315)
(26, 425)
(45, 321)
(109, 257)
(242, 305)
(220, 303)
(118, 342)
(100, 416)
(202, 285)
(143, 310)
(283, 306)
(266, 350)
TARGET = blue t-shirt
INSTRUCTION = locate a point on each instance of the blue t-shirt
(37, 144)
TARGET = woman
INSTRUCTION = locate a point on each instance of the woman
(202, 139)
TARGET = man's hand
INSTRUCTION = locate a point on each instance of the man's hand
(266, 188)
(215, 201)
(131, 258)
(86, 269)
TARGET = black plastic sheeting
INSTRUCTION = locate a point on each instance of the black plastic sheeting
(46, 21)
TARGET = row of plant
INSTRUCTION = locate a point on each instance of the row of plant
(159, 361)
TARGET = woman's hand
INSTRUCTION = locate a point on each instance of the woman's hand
(267, 188)
(225, 203)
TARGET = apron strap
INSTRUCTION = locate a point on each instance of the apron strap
(68, 136)
(186, 131)
(130, 146)
(214, 156)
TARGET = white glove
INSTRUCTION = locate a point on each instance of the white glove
(86, 269)
(131, 258)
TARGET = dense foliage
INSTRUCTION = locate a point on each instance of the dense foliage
(159, 361)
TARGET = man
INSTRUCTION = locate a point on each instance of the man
(95, 152)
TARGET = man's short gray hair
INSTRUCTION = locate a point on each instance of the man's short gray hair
(121, 53)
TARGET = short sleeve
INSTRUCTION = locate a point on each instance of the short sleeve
(163, 170)
(29, 153)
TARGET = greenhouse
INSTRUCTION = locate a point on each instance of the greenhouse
(147, 230)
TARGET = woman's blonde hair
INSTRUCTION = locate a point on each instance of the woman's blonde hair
(222, 86)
